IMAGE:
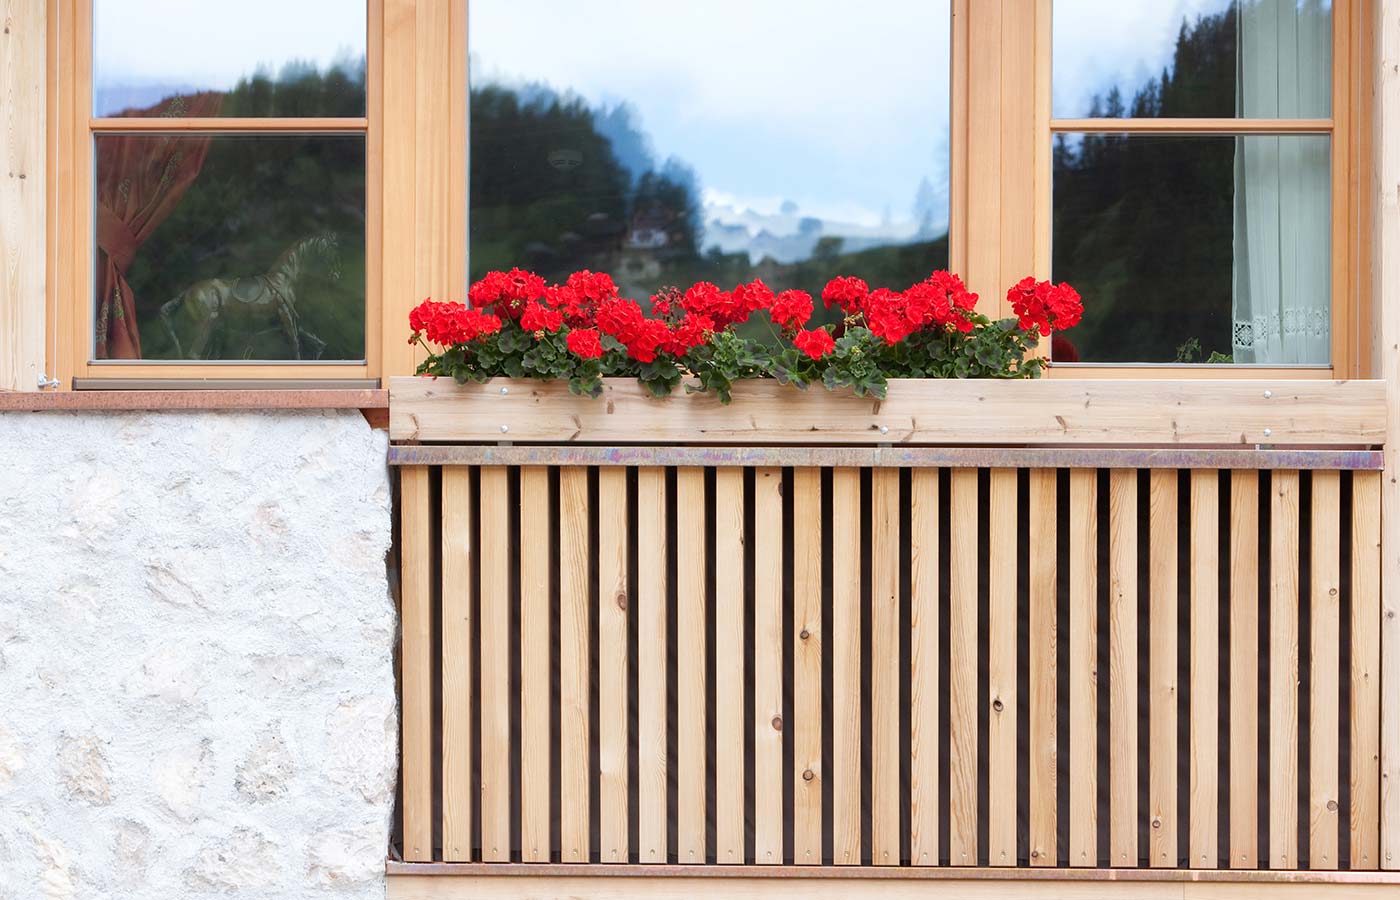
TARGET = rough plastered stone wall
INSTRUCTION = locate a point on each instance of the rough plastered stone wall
(196, 655)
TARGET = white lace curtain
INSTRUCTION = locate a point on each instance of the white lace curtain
(1281, 311)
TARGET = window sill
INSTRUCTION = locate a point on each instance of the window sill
(89, 400)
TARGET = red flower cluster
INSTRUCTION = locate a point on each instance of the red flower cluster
(791, 309)
(725, 308)
(1044, 305)
(446, 324)
(846, 292)
(584, 342)
(506, 293)
(941, 301)
(816, 343)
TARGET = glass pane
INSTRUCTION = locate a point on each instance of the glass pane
(1195, 249)
(230, 247)
(1255, 59)
(250, 58)
(667, 143)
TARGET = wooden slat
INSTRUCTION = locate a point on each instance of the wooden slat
(535, 664)
(1283, 671)
(924, 543)
(884, 666)
(1162, 697)
(1365, 668)
(1205, 670)
(613, 600)
(458, 508)
(768, 666)
(1083, 666)
(1001, 668)
(845, 681)
(1385, 284)
(415, 657)
(1044, 653)
(496, 745)
(947, 411)
(692, 739)
(1244, 670)
(651, 602)
(729, 665)
(1123, 665)
(575, 663)
(23, 199)
(1325, 666)
(962, 668)
(807, 666)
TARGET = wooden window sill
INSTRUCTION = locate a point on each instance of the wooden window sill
(374, 403)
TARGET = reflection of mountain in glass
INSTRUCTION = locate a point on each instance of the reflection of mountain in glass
(557, 185)
(297, 89)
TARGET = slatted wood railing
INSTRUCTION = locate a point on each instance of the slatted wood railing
(891, 657)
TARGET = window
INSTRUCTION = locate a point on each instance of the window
(226, 228)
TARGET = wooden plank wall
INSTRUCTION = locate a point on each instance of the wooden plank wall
(772, 641)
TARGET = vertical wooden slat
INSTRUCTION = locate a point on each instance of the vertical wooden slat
(1123, 665)
(496, 745)
(884, 666)
(768, 666)
(1161, 791)
(962, 668)
(924, 541)
(1325, 664)
(1001, 668)
(457, 663)
(1083, 666)
(1044, 661)
(415, 655)
(23, 192)
(1244, 669)
(845, 680)
(729, 665)
(808, 771)
(1283, 671)
(691, 737)
(651, 602)
(575, 661)
(1365, 668)
(612, 662)
(535, 687)
(1205, 668)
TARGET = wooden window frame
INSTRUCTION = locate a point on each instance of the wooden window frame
(416, 134)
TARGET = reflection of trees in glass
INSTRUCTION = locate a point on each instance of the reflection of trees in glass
(255, 197)
(557, 186)
(1144, 226)
(298, 89)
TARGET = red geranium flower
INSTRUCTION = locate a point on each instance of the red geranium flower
(1044, 305)
(538, 318)
(584, 342)
(846, 292)
(816, 343)
(791, 309)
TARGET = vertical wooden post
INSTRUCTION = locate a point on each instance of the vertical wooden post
(1244, 669)
(416, 660)
(962, 668)
(1283, 671)
(1123, 665)
(575, 661)
(535, 644)
(23, 197)
(496, 745)
(613, 601)
(923, 667)
(1205, 668)
(768, 666)
(1083, 666)
(729, 665)
(808, 638)
(1044, 675)
(458, 662)
(1162, 694)
(884, 666)
(652, 633)
(845, 680)
(692, 740)
(1001, 674)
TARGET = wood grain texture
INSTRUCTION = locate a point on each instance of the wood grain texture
(1324, 722)
(1205, 670)
(924, 544)
(614, 598)
(575, 663)
(1365, 669)
(1123, 666)
(1083, 667)
(1162, 696)
(768, 666)
(1283, 671)
(496, 745)
(1244, 670)
(692, 738)
(652, 644)
(949, 411)
(962, 668)
(1043, 675)
(415, 659)
(845, 681)
(1001, 670)
(458, 662)
(808, 638)
(536, 692)
(884, 667)
(23, 194)
(729, 665)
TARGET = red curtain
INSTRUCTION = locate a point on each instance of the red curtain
(140, 180)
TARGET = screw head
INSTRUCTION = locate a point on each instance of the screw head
(884, 429)
(1268, 431)
(1268, 394)
(505, 428)
(505, 390)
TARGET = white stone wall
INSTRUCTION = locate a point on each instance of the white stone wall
(196, 656)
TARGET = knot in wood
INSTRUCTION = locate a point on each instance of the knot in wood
(777, 723)
(808, 774)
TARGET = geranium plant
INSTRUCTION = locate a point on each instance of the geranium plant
(583, 331)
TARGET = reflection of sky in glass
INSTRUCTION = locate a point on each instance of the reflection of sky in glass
(820, 107)
(145, 50)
